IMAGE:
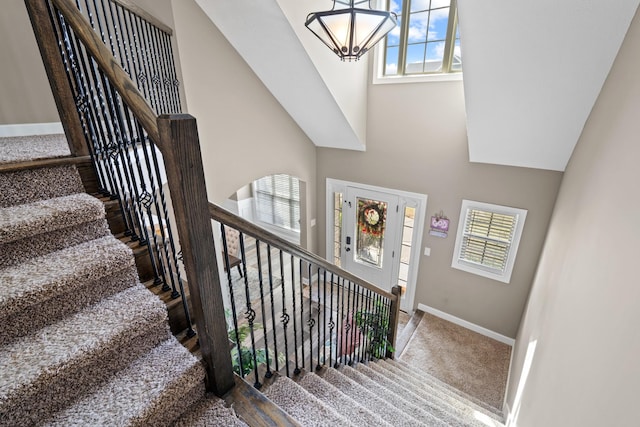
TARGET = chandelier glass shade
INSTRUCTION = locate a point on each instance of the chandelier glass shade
(351, 28)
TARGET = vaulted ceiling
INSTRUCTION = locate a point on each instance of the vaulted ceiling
(532, 71)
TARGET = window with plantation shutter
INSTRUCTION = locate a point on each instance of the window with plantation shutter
(277, 201)
(487, 239)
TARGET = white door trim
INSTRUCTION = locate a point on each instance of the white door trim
(420, 204)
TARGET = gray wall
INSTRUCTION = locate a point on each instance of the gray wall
(583, 312)
(25, 96)
(417, 142)
(245, 133)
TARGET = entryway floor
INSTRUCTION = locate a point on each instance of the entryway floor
(466, 360)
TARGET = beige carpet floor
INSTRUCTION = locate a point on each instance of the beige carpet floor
(466, 360)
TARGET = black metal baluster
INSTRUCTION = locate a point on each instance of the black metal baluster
(352, 327)
(378, 344)
(77, 81)
(273, 313)
(146, 197)
(368, 337)
(250, 315)
(108, 25)
(356, 341)
(233, 302)
(120, 38)
(320, 342)
(171, 82)
(331, 322)
(137, 72)
(264, 323)
(152, 57)
(341, 329)
(161, 70)
(109, 148)
(365, 325)
(302, 322)
(284, 317)
(146, 75)
(296, 371)
(311, 321)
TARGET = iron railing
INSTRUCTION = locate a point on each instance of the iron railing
(130, 169)
(291, 310)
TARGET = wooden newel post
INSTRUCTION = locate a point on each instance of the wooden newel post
(393, 319)
(185, 172)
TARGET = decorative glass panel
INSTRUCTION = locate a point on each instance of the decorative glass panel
(372, 215)
(337, 228)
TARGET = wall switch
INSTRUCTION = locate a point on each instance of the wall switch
(427, 251)
(313, 222)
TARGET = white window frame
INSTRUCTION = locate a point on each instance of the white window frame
(479, 269)
(379, 64)
(287, 233)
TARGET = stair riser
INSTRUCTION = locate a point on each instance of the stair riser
(19, 251)
(65, 304)
(432, 403)
(31, 185)
(39, 401)
(114, 217)
(175, 400)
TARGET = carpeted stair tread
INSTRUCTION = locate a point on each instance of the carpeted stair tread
(430, 401)
(464, 408)
(370, 399)
(209, 412)
(52, 366)
(59, 306)
(417, 377)
(32, 147)
(41, 278)
(340, 402)
(21, 250)
(28, 186)
(303, 406)
(398, 402)
(139, 394)
(427, 384)
(43, 216)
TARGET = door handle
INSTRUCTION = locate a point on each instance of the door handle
(348, 240)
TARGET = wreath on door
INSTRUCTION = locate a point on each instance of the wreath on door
(371, 217)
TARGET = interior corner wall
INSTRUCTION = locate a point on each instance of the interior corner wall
(417, 142)
(245, 133)
(25, 95)
(583, 312)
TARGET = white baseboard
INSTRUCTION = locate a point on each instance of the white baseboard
(31, 129)
(472, 326)
(507, 415)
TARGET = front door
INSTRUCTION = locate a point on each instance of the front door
(372, 225)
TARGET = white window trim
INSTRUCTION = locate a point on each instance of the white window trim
(459, 264)
(378, 76)
(380, 79)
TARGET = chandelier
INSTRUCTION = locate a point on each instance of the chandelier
(351, 28)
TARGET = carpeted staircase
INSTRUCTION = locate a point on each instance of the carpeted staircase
(84, 343)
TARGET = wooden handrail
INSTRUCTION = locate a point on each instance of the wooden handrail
(137, 10)
(120, 80)
(228, 218)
